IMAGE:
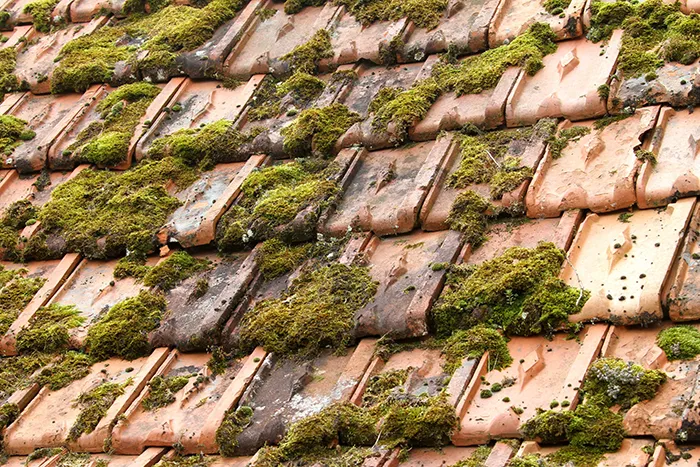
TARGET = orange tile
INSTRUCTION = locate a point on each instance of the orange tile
(512, 18)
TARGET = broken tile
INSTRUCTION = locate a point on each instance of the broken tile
(542, 371)
(596, 172)
(353, 42)
(408, 281)
(192, 419)
(36, 63)
(624, 261)
(676, 173)
(463, 27)
(568, 84)
(200, 103)
(630, 453)
(48, 419)
(662, 416)
(194, 322)
(45, 116)
(385, 189)
(285, 391)
(512, 18)
(265, 42)
(683, 300)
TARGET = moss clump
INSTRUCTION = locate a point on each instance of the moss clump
(292, 7)
(556, 7)
(470, 214)
(93, 407)
(306, 57)
(282, 201)
(123, 330)
(559, 142)
(235, 420)
(102, 214)
(40, 11)
(424, 14)
(317, 311)
(613, 381)
(8, 80)
(477, 459)
(48, 330)
(106, 141)
(317, 130)
(188, 461)
(645, 155)
(301, 86)
(680, 342)
(41, 453)
(172, 30)
(276, 258)
(15, 294)
(473, 343)
(218, 363)
(380, 386)
(518, 292)
(75, 459)
(16, 372)
(162, 390)
(213, 143)
(573, 456)
(12, 132)
(69, 367)
(129, 266)
(173, 270)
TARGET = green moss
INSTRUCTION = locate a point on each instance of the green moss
(235, 420)
(218, 363)
(556, 7)
(295, 6)
(131, 267)
(173, 270)
(559, 142)
(576, 456)
(15, 295)
(18, 214)
(93, 407)
(162, 390)
(75, 459)
(423, 13)
(103, 214)
(613, 381)
(174, 29)
(518, 292)
(16, 372)
(477, 459)
(306, 57)
(645, 155)
(188, 461)
(106, 141)
(40, 11)
(48, 330)
(69, 367)
(420, 422)
(41, 453)
(316, 130)
(301, 86)
(123, 330)
(473, 343)
(606, 121)
(276, 258)
(12, 132)
(680, 342)
(8, 80)
(317, 311)
(469, 214)
(380, 386)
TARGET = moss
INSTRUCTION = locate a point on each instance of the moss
(316, 130)
(469, 214)
(420, 422)
(162, 390)
(48, 330)
(423, 13)
(576, 456)
(477, 459)
(274, 97)
(15, 294)
(235, 420)
(106, 141)
(93, 407)
(40, 11)
(201, 287)
(265, 13)
(218, 362)
(606, 121)
(301, 86)
(41, 453)
(613, 381)
(556, 7)
(679, 342)
(70, 367)
(645, 155)
(473, 343)
(174, 29)
(103, 214)
(18, 214)
(317, 311)
(131, 267)
(188, 461)
(123, 330)
(292, 7)
(306, 57)
(276, 258)
(380, 386)
(12, 132)
(594, 426)
(16, 372)
(518, 292)
(559, 142)
(173, 270)
(8, 80)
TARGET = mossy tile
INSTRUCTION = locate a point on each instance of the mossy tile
(18, 35)
(672, 83)
(386, 188)
(596, 171)
(542, 370)
(682, 455)
(191, 412)
(54, 416)
(18, 15)
(512, 18)
(568, 84)
(352, 41)
(15, 187)
(624, 261)
(171, 459)
(632, 453)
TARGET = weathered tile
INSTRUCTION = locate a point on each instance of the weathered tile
(197, 411)
(662, 416)
(384, 189)
(568, 84)
(18, 36)
(17, 461)
(463, 27)
(353, 42)
(512, 18)
(200, 103)
(630, 453)
(35, 64)
(59, 155)
(449, 455)
(83, 11)
(45, 115)
(15, 9)
(668, 453)
(219, 461)
(147, 458)
(408, 285)
(683, 300)
(675, 84)
(285, 391)
(204, 202)
(263, 44)
(194, 322)
(15, 187)
(48, 419)
(542, 371)
(596, 172)
(624, 262)
(676, 173)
